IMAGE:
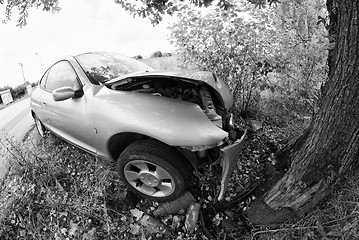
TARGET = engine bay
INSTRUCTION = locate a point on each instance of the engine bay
(181, 89)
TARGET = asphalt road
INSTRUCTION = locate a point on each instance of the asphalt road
(16, 122)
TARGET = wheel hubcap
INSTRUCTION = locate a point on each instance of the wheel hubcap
(149, 179)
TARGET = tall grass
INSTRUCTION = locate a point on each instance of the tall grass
(56, 191)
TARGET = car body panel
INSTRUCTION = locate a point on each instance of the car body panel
(68, 119)
(36, 102)
(171, 121)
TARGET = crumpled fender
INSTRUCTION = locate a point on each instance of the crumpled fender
(174, 122)
(228, 162)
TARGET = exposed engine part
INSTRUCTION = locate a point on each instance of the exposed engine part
(208, 106)
(202, 154)
(177, 89)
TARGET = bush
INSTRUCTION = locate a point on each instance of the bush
(156, 54)
(244, 51)
(138, 57)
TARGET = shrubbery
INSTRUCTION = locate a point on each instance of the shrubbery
(271, 54)
(19, 91)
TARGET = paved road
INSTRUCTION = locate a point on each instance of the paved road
(16, 121)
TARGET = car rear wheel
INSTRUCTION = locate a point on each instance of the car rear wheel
(39, 126)
(153, 170)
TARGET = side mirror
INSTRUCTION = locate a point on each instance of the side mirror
(64, 93)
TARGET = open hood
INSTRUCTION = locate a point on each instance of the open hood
(162, 79)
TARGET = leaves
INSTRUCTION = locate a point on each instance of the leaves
(23, 6)
(256, 52)
(136, 213)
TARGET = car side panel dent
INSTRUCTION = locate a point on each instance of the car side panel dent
(171, 121)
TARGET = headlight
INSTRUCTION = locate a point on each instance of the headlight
(199, 148)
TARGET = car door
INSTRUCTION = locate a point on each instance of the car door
(66, 118)
(36, 97)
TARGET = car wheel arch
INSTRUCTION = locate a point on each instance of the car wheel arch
(120, 141)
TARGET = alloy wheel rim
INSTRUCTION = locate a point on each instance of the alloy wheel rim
(149, 178)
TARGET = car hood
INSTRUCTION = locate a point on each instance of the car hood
(204, 77)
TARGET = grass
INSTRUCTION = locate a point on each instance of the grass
(55, 191)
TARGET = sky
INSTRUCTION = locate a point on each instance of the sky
(80, 26)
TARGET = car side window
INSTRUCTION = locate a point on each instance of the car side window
(62, 75)
(43, 80)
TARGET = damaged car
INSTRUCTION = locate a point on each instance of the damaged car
(157, 125)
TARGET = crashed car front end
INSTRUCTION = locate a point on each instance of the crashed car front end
(200, 128)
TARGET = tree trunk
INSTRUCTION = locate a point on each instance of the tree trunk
(330, 146)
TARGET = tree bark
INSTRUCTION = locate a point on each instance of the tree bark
(330, 146)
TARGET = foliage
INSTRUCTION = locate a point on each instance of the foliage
(225, 43)
(137, 57)
(152, 9)
(23, 6)
(55, 191)
(256, 50)
(156, 54)
(302, 59)
(19, 91)
(155, 9)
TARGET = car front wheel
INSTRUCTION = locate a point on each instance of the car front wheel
(153, 170)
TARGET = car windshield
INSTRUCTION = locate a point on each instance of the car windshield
(102, 67)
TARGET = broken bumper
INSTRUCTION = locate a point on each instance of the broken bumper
(228, 162)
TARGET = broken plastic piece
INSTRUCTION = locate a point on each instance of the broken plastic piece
(228, 162)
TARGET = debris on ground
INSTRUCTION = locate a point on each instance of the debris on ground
(175, 206)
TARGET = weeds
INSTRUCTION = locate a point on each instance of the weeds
(55, 191)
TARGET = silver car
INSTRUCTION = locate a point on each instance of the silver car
(157, 125)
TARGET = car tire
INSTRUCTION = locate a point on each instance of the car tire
(39, 126)
(153, 170)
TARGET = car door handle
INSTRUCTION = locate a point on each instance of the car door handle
(43, 102)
